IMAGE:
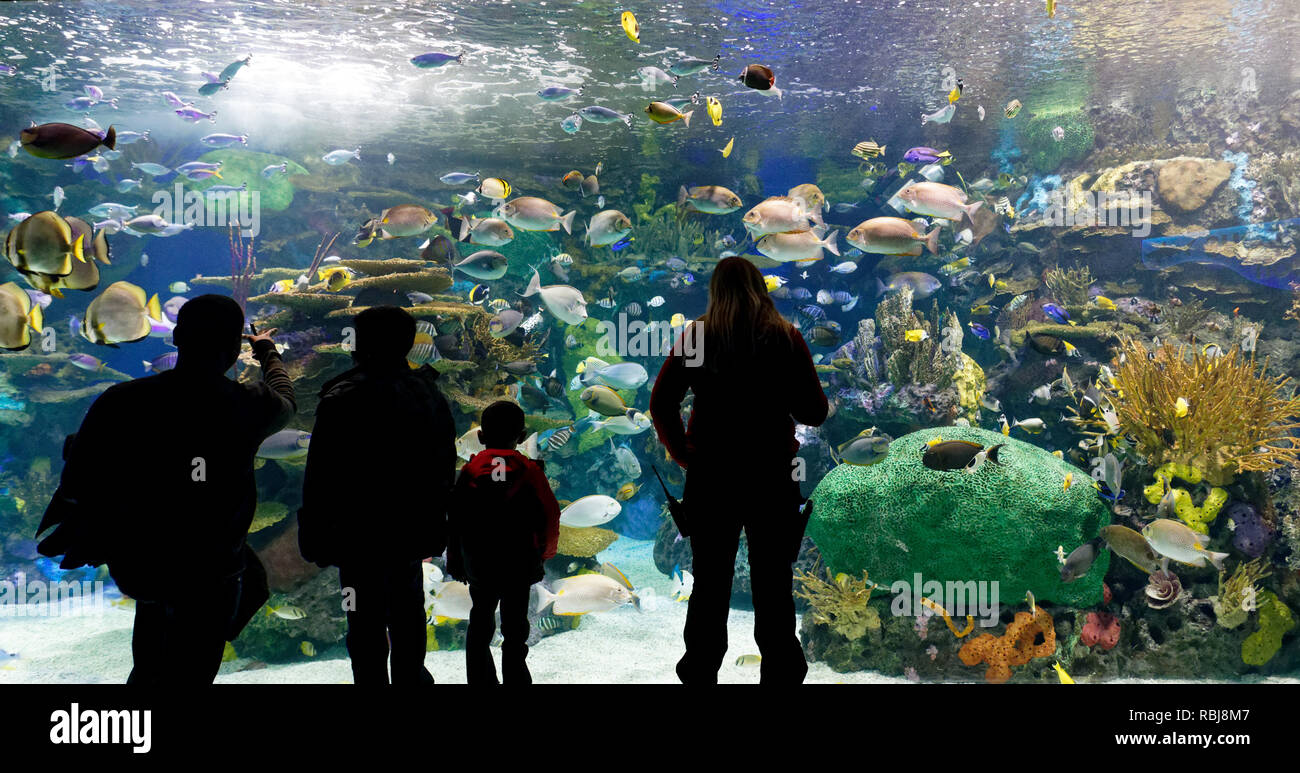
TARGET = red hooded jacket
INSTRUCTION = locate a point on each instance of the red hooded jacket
(503, 521)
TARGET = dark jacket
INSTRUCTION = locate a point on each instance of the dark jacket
(743, 414)
(158, 482)
(379, 468)
(504, 520)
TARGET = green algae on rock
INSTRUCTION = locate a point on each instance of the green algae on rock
(1002, 523)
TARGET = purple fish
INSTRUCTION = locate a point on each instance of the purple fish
(161, 363)
(1060, 315)
(173, 100)
(8, 69)
(434, 59)
(924, 155)
(94, 92)
(194, 115)
(85, 361)
(980, 331)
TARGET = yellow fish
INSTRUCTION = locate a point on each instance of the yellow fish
(714, 108)
(982, 310)
(726, 152)
(308, 649)
(494, 188)
(228, 653)
(1060, 672)
(678, 320)
(1069, 479)
(868, 150)
(1180, 407)
(282, 286)
(1057, 453)
(915, 336)
(749, 660)
(955, 266)
(631, 27)
(1105, 303)
(1006, 428)
(1070, 349)
(955, 94)
(1051, 14)
(336, 278)
(626, 491)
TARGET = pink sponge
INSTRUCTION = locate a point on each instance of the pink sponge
(1101, 629)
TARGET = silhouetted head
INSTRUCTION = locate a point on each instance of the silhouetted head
(384, 335)
(740, 313)
(502, 425)
(209, 331)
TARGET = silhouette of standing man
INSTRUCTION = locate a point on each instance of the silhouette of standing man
(158, 483)
(379, 474)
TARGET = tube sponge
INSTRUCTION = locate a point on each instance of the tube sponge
(1196, 518)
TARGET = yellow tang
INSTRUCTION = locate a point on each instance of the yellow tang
(726, 152)
(715, 110)
(631, 27)
(1051, 14)
(678, 320)
(1180, 407)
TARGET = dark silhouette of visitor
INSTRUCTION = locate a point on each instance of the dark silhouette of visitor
(752, 378)
(158, 483)
(504, 522)
(379, 472)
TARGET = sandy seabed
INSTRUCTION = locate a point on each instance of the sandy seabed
(622, 646)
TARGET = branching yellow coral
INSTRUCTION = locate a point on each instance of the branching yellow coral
(1238, 595)
(841, 603)
(1221, 416)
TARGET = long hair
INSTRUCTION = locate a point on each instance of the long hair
(741, 317)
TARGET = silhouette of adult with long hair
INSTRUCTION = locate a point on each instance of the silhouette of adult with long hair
(379, 473)
(158, 483)
(752, 378)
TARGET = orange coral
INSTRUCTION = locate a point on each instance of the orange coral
(1027, 637)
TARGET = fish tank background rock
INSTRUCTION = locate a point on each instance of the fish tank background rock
(245, 166)
(1003, 523)
(670, 552)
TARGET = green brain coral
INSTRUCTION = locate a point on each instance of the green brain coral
(1003, 523)
(238, 166)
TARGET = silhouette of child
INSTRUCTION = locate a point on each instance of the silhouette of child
(503, 523)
